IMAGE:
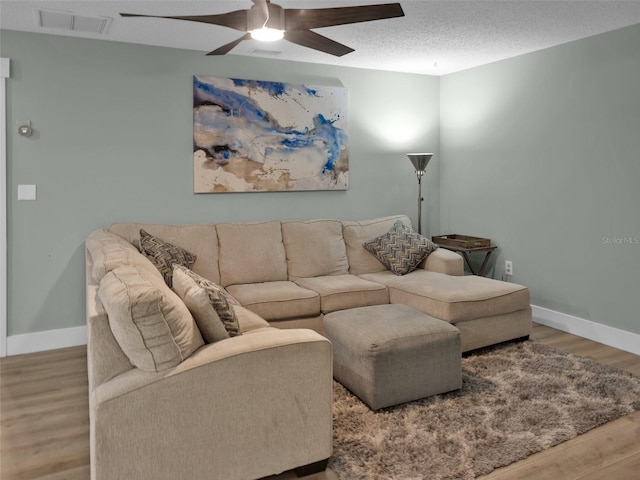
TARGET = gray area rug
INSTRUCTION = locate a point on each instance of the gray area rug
(516, 399)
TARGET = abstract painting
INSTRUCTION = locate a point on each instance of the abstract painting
(258, 136)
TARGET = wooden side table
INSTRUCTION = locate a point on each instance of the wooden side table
(466, 251)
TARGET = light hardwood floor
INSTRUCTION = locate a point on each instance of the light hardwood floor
(44, 422)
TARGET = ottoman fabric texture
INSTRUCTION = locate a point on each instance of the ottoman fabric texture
(391, 354)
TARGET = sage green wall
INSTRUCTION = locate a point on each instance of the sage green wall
(113, 142)
(539, 152)
(542, 154)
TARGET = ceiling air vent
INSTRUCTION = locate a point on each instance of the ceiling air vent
(70, 22)
(270, 53)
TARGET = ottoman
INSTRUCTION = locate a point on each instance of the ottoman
(390, 354)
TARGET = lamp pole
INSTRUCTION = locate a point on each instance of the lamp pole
(420, 161)
(420, 200)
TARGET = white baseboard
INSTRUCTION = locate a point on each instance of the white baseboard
(47, 340)
(611, 336)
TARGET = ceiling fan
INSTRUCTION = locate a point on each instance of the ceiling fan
(268, 21)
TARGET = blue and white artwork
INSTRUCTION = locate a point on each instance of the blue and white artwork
(257, 136)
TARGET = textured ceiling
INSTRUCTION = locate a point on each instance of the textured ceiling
(435, 37)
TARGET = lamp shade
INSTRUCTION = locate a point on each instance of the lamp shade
(420, 160)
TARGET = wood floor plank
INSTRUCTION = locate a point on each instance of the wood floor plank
(78, 473)
(44, 422)
(44, 415)
(628, 468)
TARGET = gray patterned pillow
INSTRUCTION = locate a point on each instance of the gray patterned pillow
(220, 300)
(400, 249)
(165, 255)
(197, 301)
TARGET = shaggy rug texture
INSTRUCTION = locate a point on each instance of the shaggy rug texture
(516, 399)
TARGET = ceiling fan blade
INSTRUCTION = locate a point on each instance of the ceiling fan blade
(224, 49)
(263, 5)
(304, 19)
(310, 39)
(236, 20)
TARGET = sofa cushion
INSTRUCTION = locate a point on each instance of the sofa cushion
(277, 300)
(200, 240)
(150, 323)
(453, 298)
(109, 251)
(251, 253)
(248, 320)
(314, 248)
(400, 249)
(357, 233)
(165, 255)
(210, 306)
(339, 292)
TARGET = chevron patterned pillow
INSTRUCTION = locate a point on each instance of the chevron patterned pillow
(221, 302)
(400, 249)
(165, 255)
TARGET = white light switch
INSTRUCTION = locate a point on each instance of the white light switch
(26, 192)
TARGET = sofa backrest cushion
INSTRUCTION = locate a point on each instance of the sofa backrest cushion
(314, 248)
(251, 253)
(150, 323)
(357, 233)
(200, 240)
(109, 251)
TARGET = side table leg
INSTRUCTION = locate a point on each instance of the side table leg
(466, 258)
(484, 263)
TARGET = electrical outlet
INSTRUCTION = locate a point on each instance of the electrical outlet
(508, 267)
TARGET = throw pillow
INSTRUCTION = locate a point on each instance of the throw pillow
(356, 233)
(165, 255)
(197, 301)
(400, 249)
(219, 300)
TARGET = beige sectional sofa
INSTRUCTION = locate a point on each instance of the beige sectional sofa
(202, 417)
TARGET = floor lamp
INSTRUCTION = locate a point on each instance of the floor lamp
(420, 161)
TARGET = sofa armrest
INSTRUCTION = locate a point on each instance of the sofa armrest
(244, 407)
(444, 261)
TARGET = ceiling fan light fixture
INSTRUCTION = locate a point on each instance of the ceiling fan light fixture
(268, 22)
(266, 34)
